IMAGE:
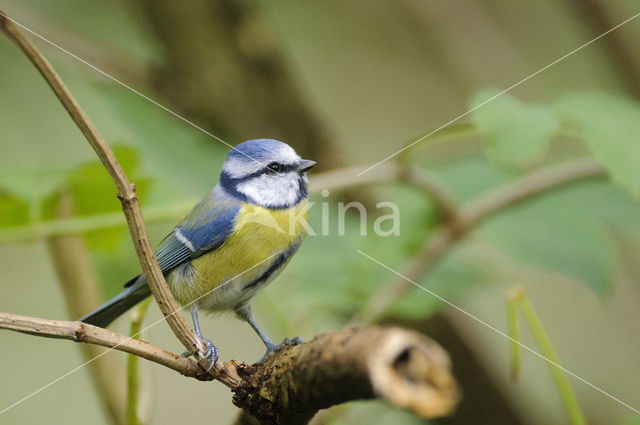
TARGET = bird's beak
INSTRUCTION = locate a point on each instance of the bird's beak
(305, 165)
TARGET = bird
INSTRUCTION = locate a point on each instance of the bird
(233, 242)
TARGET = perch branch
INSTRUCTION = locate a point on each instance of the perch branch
(407, 369)
(126, 194)
(82, 332)
(469, 216)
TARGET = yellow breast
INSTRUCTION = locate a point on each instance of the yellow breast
(260, 236)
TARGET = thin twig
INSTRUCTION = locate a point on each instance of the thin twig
(126, 194)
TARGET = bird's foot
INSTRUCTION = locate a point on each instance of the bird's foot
(212, 352)
(287, 341)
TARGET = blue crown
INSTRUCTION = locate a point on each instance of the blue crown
(257, 149)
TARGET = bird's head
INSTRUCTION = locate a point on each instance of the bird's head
(267, 173)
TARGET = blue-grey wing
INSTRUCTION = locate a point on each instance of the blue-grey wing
(207, 226)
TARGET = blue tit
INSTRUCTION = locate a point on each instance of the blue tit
(235, 241)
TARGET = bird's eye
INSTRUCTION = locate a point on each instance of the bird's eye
(275, 167)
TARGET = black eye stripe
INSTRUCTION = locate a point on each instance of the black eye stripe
(282, 168)
(274, 166)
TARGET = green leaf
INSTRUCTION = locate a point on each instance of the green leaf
(611, 127)
(14, 211)
(515, 133)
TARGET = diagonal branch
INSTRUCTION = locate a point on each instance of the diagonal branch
(126, 194)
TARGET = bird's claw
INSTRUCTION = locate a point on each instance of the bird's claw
(296, 340)
(212, 353)
(287, 341)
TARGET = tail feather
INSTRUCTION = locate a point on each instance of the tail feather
(118, 305)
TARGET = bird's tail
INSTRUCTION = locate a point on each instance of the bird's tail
(118, 305)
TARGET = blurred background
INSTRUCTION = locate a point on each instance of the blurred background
(345, 83)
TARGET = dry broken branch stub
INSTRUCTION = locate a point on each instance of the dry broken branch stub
(403, 367)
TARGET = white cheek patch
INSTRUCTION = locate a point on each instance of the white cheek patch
(272, 190)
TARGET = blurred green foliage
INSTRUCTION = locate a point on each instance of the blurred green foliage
(13, 210)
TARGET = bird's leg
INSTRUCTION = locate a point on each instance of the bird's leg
(212, 351)
(246, 314)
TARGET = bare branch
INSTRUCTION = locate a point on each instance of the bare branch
(82, 332)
